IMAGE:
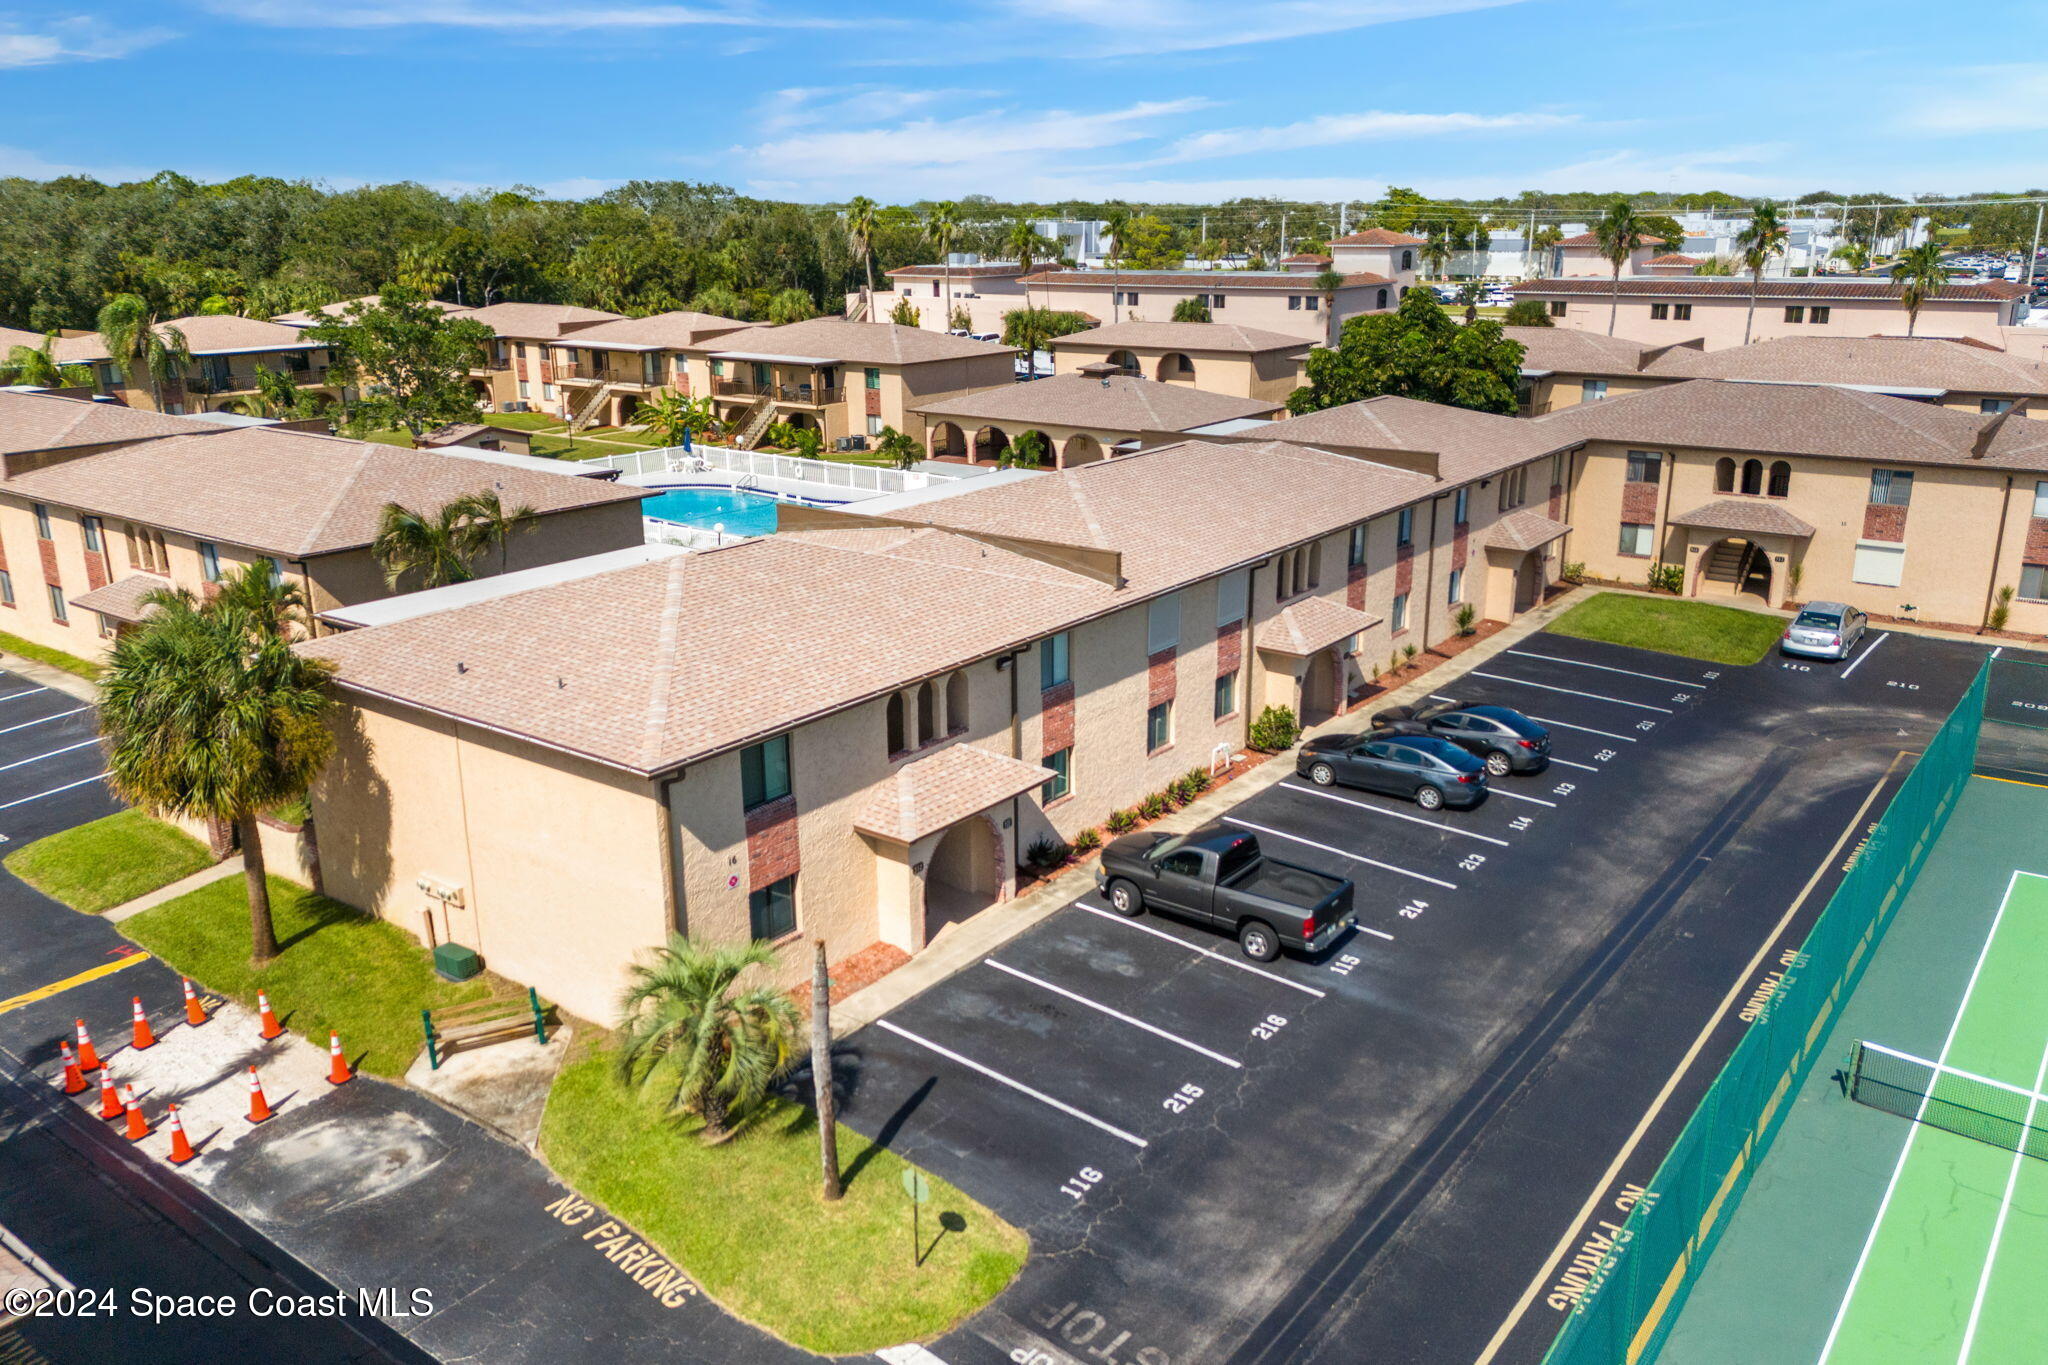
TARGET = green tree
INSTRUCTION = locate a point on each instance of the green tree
(1032, 449)
(720, 302)
(672, 417)
(1920, 276)
(905, 314)
(1116, 225)
(1715, 265)
(278, 395)
(860, 232)
(208, 712)
(37, 365)
(898, 448)
(1415, 351)
(1855, 255)
(408, 361)
(1664, 228)
(1437, 248)
(1547, 236)
(136, 340)
(694, 1044)
(1763, 238)
(442, 548)
(1619, 232)
(791, 305)
(1527, 313)
(1191, 310)
(942, 225)
(1150, 243)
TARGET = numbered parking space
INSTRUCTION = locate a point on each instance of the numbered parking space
(51, 766)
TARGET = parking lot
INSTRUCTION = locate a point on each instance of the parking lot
(1182, 1130)
(50, 761)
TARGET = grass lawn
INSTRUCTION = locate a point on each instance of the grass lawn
(43, 654)
(525, 421)
(336, 967)
(747, 1222)
(96, 866)
(1674, 625)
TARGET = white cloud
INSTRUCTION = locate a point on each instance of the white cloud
(1124, 28)
(1329, 130)
(2011, 98)
(73, 40)
(19, 161)
(805, 106)
(510, 16)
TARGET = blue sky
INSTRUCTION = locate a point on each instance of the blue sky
(1040, 99)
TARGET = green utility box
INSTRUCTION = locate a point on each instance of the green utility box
(453, 962)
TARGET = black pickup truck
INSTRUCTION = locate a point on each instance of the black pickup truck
(1216, 876)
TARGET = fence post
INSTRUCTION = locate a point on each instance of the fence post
(433, 1053)
(540, 1026)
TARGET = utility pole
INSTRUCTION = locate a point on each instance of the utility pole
(1283, 234)
(1344, 219)
(2032, 252)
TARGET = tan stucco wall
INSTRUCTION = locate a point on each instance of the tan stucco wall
(1269, 376)
(1567, 390)
(1719, 319)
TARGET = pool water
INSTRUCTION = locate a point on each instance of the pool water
(740, 512)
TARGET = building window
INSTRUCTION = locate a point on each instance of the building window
(1226, 695)
(1313, 302)
(2041, 498)
(6, 588)
(2033, 582)
(1061, 782)
(1162, 623)
(1159, 727)
(1399, 620)
(893, 723)
(1294, 303)
(58, 611)
(1461, 506)
(771, 911)
(764, 772)
(93, 543)
(1681, 312)
(874, 424)
(1724, 475)
(209, 561)
(872, 375)
(1991, 407)
(1457, 589)
(1128, 299)
(42, 520)
(105, 623)
(1795, 313)
(1231, 590)
(1592, 390)
(1644, 466)
(1404, 527)
(1052, 661)
(1355, 553)
(1635, 539)
(1514, 488)
(1817, 314)
(525, 389)
(1893, 487)
(1881, 565)
(1660, 312)
(1557, 308)
(1781, 479)
(1215, 301)
(1383, 299)
(927, 713)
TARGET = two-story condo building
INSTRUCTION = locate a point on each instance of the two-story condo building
(604, 370)
(225, 350)
(985, 289)
(1084, 417)
(1717, 309)
(1284, 301)
(1220, 357)
(519, 373)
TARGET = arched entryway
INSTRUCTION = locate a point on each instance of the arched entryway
(1734, 567)
(965, 875)
(1081, 448)
(1176, 367)
(948, 442)
(1319, 684)
(989, 445)
(1127, 361)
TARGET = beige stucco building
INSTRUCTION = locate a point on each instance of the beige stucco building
(1083, 417)
(226, 351)
(1284, 301)
(1220, 357)
(1716, 310)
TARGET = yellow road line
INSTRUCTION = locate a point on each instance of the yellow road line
(119, 964)
(2012, 781)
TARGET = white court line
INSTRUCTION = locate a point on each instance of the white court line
(1572, 692)
(1569, 764)
(1906, 1149)
(2012, 1181)
(25, 692)
(1210, 953)
(69, 748)
(1398, 815)
(44, 720)
(51, 792)
(1517, 796)
(1015, 1085)
(1609, 668)
(1078, 999)
(1567, 725)
(1327, 848)
(1868, 650)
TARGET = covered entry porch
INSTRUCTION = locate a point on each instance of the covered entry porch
(1519, 553)
(1307, 649)
(1741, 549)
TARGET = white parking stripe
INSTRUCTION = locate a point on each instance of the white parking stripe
(1376, 933)
(1015, 1085)
(1868, 650)
(1398, 815)
(1342, 853)
(1079, 999)
(1571, 692)
(69, 748)
(1210, 953)
(44, 720)
(51, 792)
(1569, 764)
(25, 692)
(1517, 796)
(1606, 668)
(1567, 725)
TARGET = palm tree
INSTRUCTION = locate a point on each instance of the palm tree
(1024, 242)
(791, 305)
(1547, 236)
(443, 548)
(860, 229)
(37, 365)
(1919, 274)
(898, 448)
(1855, 255)
(1764, 237)
(208, 712)
(135, 339)
(1117, 222)
(695, 1046)
(1436, 248)
(277, 394)
(1619, 233)
(671, 418)
(942, 225)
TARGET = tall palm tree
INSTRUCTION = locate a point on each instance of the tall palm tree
(1024, 242)
(1765, 236)
(1919, 275)
(860, 230)
(1436, 248)
(443, 548)
(38, 365)
(136, 340)
(942, 225)
(693, 1044)
(1117, 222)
(1619, 232)
(208, 712)
(1855, 255)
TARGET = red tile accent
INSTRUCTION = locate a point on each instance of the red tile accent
(1404, 569)
(1354, 587)
(1460, 544)
(48, 551)
(1056, 718)
(1160, 674)
(1229, 648)
(547, 372)
(1556, 512)
(519, 367)
(2035, 553)
(681, 383)
(771, 843)
(95, 569)
(1884, 521)
(874, 402)
(1639, 502)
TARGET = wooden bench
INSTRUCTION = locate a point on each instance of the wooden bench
(454, 1026)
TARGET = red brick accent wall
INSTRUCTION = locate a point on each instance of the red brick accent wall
(681, 383)
(1884, 521)
(1354, 587)
(1460, 544)
(519, 367)
(2035, 553)
(48, 550)
(1229, 648)
(1159, 679)
(1556, 502)
(1056, 718)
(771, 843)
(874, 401)
(1404, 569)
(547, 372)
(1639, 502)
(95, 570)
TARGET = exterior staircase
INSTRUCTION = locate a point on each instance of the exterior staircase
(591, 407)
(759, 418)
(862, 311)
(1727, 565)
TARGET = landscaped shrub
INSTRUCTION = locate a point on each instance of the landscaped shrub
(1197, 780)
(1407, 654)
(2001, 613)
(1275, 729)
(1666, 577)
(1465, 618)
(1179, 791)
(1121, 821)
(1047, 852)
(1573, 572)
(1087, 841)
(1153, 806)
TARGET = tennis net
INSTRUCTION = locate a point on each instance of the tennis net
(1949, 1098)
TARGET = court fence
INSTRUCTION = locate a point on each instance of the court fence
(1631, 1298)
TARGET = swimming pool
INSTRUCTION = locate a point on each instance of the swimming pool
(740, 512)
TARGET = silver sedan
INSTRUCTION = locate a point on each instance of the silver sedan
(1824, 630)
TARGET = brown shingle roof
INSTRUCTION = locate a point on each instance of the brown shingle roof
(1311, 624)
(1378, 237)
(1187, 336)
(1469, 445)
(854, 343)
(1212, 280)
(983, 270)
(669, 331)
(40, 421)
(1524, 530)
(927, 794)
(1673, 258)
(11, 337)
(1569, 350)
(533, 321)
(222, 334)
(1117, 402)
(288, 493)
(1739, 514)
(1796, 289)
(1876, 362)
(1305, 258)
(122, 600)
(306, 317)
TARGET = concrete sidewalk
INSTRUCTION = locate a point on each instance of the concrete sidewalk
(227, 867)
(50, 676)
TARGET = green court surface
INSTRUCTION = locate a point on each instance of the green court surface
(1866, 1238)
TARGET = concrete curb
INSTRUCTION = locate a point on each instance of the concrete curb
(962, 946)
(230, 867)
(50, 676)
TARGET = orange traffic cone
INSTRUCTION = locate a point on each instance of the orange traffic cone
(143, 1037)
(111, 1107)
(138, 1126)
(74, 1079)
(181, 1146)
(337, 1065)
(271, 1028)
(88, 1059)
(259, 1108)
(195, 1013)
